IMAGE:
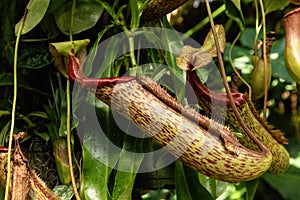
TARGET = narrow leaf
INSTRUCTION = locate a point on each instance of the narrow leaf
(134, 11)
(181, 185)
(129, 159)
(192, 187)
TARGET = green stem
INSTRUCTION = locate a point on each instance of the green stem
(72, 19)
(205, 21)
(131, 49)
(265, 58)
(14, 104)
(73, 181)
(130, 35)
(233, 67)
(77, 196)
(257, 25)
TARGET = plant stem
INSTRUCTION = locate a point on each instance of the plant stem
(266, 84)
(131, 49)
(73, 181)
(77, 196)
(14, 104)
(257, 24)
(233, 67)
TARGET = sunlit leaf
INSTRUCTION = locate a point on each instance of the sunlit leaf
(94, 184)
(36, 10)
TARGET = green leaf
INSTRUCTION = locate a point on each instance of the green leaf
(44, 135)
(173, 42)
(93, 52)
(110, 55)
(214, 187)
(2, 192)
(135, 15)
(55, 5)
(34, 57)
(278, 61)
(187, 184)
(248, 36)
(57, 133)
(36, 10)
(99, 155)
(87, 13)
(65, 192)
(38, 114)
(234, 11)
(64, 48)
(129, 159)
(287, 184)
(251, 188)
(3, 133)
(181, 185)
(63, 118)
(108, 9)
(274, 5)
(94, 177)
(60, 152)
